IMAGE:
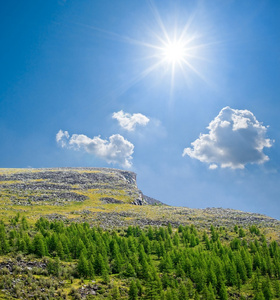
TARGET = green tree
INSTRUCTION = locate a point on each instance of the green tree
(166, 264)
(196, 296)
(83, 267)
(266, 289)
(140, 288)
(211, 294)
(171, 294)
(277, 288)
(182, 292)
(90, 269)
(223, 292)
(4, 245)
(99, 265)
(117, 264)
(133, 291)
(259, 296)
(129, 271)
(39, 245)
(241, 232)
(59, 250)
(116, 293)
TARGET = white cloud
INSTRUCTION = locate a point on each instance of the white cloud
(213, 167)
(235, 139)
(115, 151)
(62, 138)
(128, 121)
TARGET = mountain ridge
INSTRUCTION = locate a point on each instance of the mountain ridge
(105, 197)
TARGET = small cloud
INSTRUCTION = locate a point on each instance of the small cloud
(116, 150)
(62, 138)
(213, 167)
(128, 121)
(235, 139)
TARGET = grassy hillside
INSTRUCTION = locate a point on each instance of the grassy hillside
(103, 197)
(91, 234)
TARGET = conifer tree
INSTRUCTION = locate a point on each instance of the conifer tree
(39, 245)
(238, 282)
(171, 294)
(145, 269)
(133, 291)
(179, 271)
(59, 250)
(165, 280)
(99, 264)
(4, 246)
(90, 269)
(169, 228)
(116, 293)
(28, 243)
(176, 239)
(117, 264)
(129, 271)
(199, 279)
(231, 273)
(259, 296)
(83, 267)
(241, 232)
(211, 293)
(255, 283)
(162, 295)
(277, 289)
(24, 223)
(153, 285)
(22, 246)
(223, 292)
(182, 292)
(139, 288)
(150, 233)
(211, 276)
(80, 248)
(266, 289)
(196, 296)
(105, 276)
(166, 264)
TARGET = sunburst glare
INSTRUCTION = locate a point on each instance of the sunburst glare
(174, 52)
(170, 50)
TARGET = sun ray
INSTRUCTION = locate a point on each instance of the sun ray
(174, 51)
(194, 70)
(158, 19)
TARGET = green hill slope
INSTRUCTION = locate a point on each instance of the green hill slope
(73, 233)
(105, 197)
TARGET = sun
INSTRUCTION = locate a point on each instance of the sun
(178, 51)
(174, 52)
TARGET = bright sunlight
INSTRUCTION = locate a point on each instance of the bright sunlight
(174, 52)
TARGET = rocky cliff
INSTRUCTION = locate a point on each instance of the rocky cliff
(62, 185)
(107, 198)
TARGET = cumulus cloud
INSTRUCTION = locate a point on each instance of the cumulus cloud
(62, 138)
(116, 150)
(235, 139)
(128, 121)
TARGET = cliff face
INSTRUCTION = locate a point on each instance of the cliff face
(104, 197)
(61, 185)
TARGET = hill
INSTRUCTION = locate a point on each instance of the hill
(90, 233)
(104, 197)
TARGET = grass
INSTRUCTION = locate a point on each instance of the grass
(127, 213)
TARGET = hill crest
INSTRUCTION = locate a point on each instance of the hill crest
(104, 197)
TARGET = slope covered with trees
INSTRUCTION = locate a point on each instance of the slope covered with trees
(53, 259)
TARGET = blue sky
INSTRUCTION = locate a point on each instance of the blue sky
(90, 84)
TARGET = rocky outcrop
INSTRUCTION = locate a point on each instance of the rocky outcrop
(61, 185)
(152, 201)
